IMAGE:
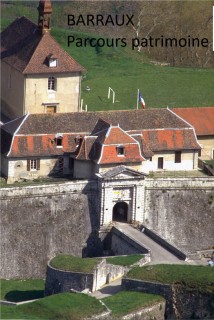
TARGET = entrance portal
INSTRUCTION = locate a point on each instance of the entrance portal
(120, 212)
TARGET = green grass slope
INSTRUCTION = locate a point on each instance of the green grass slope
(72, 306)
(22, 290)
(126, 71)
(200, 277)
(122, 69)
(126, 302)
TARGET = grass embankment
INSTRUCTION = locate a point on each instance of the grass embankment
(200, 277)
(72, 306)
(22, 290)
(126, 302)
(124, 260)
(124, 70)
(75, 264)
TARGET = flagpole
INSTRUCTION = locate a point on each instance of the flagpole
(137, 97)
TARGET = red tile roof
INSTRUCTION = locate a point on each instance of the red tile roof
(35, 134)
(25, 49)
(41, 145)
(202, 119)
(103, 147)
(160, 140)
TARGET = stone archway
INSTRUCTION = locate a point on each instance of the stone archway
(120, 211)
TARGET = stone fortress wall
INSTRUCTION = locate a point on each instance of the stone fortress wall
(38, 222)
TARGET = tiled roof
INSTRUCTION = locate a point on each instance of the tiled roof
(13, 125)
(160, 140)
(35, 135)
(202, 119)
(87, 149)
(121, 169)
(84, 122)
(24, 48)
(41, 145)
(103, 147)
(145, 148)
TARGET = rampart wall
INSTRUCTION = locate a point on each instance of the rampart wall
(181, 302)
(181, 211)
(38, 222)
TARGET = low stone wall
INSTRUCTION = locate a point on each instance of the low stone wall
(58, 281)
(155, 311)
(164, 290)
(181, 302)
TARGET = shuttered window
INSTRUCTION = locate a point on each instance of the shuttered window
(52, 83)
(33, 164)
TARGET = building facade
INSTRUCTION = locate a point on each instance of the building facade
(39, 76)
(202, 119)
(85, 145)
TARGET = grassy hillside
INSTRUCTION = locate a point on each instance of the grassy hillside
(126, 71)
(122, 69)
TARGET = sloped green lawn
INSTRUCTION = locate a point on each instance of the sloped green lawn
(22, 290)
(125, 302)
(75, 264)
(200, 277)
(64, 306)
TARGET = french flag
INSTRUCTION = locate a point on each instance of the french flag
(141, 100)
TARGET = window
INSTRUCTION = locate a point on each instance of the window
(120, 150)
(59, 142)
(51, 109)
(150, 159)
(52, 83)
(177, 156)
(160, 163)
(33, 164)
(52, 62)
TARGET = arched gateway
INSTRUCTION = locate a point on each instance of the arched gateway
(120, 211)
(122, 192)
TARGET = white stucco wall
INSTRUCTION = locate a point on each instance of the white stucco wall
(66, 96)
(207, 144)
(17, 169)
(189, 161)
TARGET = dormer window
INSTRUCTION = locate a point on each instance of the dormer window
(120, 151)
(78, 140)
(58, 140)
(52, 83)
(53, 62)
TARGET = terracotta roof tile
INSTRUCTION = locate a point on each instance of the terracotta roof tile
(160, 140)
(24, 48)
(202, 119)
(41, 145)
